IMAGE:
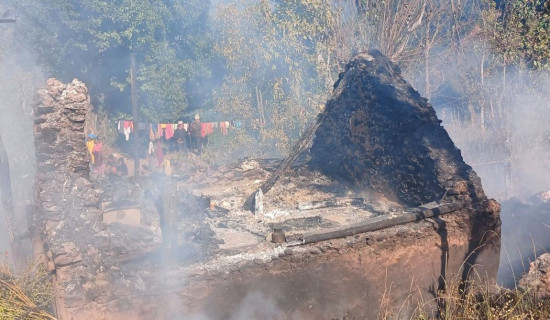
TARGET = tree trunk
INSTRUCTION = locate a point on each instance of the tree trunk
(427, 48)
(135, 111)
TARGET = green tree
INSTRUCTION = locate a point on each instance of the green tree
(93, 40)
(520, 32)
(271, 51)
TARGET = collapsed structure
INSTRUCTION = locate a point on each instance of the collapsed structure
(373, 212)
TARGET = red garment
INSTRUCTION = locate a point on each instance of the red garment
(167, 132)
(206, 129)
(159, 153)
(97, 147)
(128, 124)
(98, 157)
(223, 128)
(203, 129)
(159, 131)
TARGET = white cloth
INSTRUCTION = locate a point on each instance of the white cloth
(127, 132)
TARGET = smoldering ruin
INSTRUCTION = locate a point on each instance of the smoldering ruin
(375, 187)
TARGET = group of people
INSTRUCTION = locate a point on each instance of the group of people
(112, 166)
(182, 140)
(181, 136)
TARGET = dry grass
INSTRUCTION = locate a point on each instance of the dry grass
(26, 296)
(477, 302)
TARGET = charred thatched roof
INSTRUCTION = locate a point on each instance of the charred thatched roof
(378, 132)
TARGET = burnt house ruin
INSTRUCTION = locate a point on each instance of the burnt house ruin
(374, 211)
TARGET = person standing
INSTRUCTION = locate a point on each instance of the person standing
(179, 137)
(97, 156)
(195, 133)
(159, 152)
(90, 143)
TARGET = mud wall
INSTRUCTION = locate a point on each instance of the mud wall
(379, 133)
(389, 273)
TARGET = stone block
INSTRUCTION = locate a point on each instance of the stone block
(128, 216)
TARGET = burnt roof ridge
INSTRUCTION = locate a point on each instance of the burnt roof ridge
(377, 132)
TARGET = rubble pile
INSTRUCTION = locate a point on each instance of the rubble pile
(537, 280)
(379, 133)
(82, 251)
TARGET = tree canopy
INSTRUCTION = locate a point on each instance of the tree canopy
(272, 63)
(92, 40)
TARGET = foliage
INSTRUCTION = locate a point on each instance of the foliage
(500, 305)
(272, 63)
(92, 40)
(271, 78)
(26, 296)
(520, 32)
(478, 301)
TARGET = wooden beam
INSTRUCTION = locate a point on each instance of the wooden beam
(380, 222)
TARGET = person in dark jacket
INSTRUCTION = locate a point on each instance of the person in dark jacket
(179, 137)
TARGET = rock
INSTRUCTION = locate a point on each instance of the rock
(66, 259)
(537, 280)
(288, 251)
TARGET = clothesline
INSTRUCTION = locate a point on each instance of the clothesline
(166, 130)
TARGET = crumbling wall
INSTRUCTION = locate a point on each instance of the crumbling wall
(80, 249)
(379, 133)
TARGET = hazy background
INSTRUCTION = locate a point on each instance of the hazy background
(272, 64)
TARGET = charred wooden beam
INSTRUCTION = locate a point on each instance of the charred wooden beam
(380, 222)
(300, 145)
(329, 203)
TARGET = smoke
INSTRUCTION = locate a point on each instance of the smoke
(19, 82)
(257, 306)
(499, 120)
(254, 305)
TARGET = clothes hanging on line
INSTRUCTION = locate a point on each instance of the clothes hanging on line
(166, 130)
(223, 128)
(206, 129)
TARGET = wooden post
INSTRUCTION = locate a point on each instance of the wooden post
(135, 111)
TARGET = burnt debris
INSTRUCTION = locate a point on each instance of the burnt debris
(378, 132)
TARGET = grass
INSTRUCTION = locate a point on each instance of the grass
(471, 299)
(25, 296)
(476, 303)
